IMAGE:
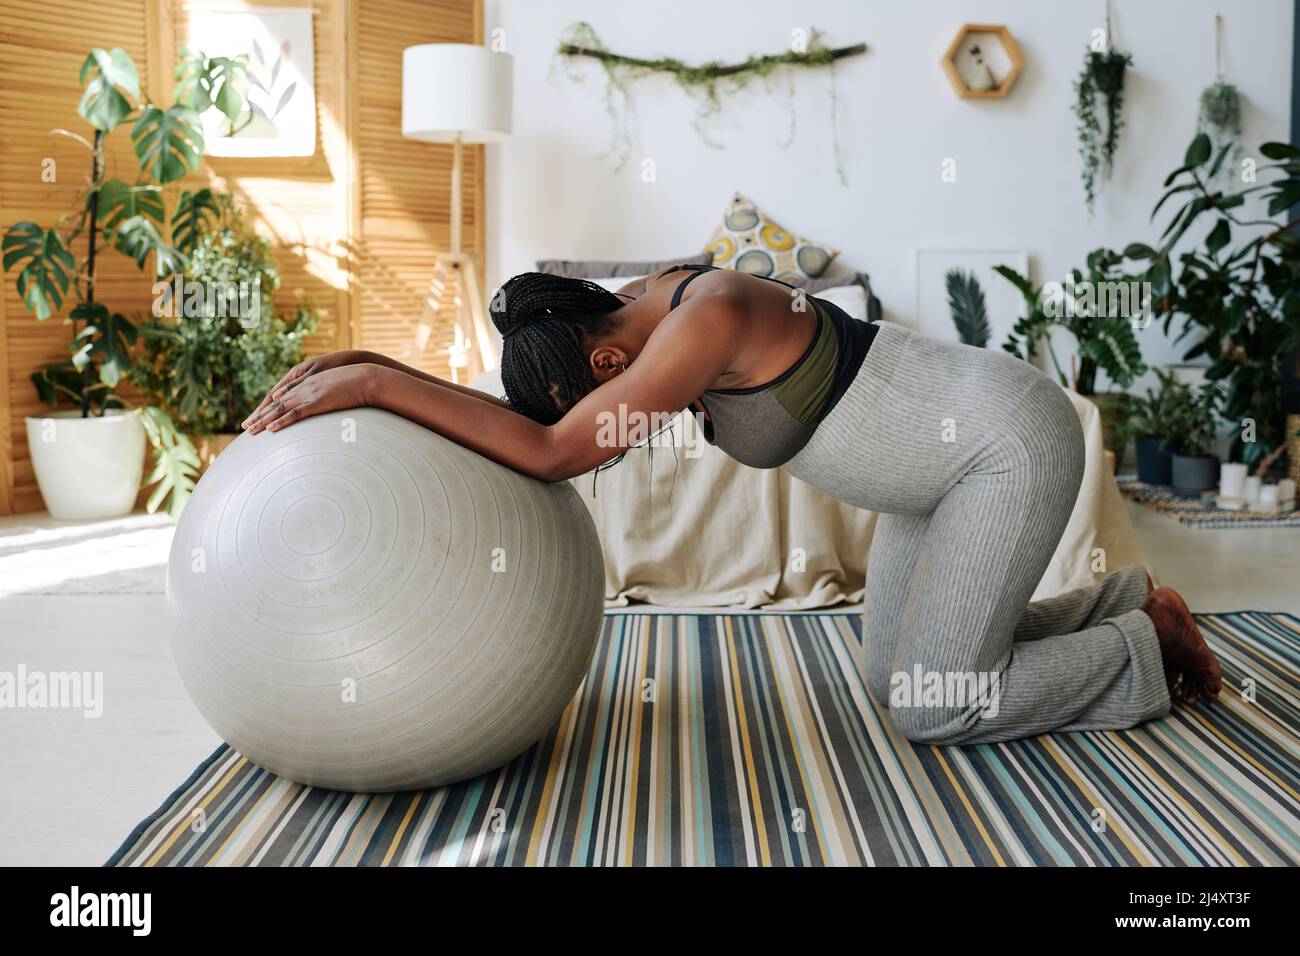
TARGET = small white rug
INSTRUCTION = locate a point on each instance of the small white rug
(128, 555)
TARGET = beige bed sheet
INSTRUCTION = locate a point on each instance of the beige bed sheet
(706, 531)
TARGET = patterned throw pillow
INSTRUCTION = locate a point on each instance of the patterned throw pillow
(749, 241)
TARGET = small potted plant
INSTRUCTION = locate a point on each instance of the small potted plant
(1196, 420)
(1153, 421)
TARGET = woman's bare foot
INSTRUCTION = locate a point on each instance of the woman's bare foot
(1191, 668)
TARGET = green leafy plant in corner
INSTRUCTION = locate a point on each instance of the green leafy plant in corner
(130, 217)
(1237, 291)
(1102, 325)
(1102, 79)
(209, 365)
(966, 302)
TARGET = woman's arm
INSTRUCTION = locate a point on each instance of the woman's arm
(346, 357)
(392, 363)
(686, 354)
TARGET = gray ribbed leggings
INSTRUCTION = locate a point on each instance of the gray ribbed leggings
(974, 458)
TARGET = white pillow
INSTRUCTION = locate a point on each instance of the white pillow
(613, 283)
(489, 382)
(851, 298)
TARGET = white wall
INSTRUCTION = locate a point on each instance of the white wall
(550, 194)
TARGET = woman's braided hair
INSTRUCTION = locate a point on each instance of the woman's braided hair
(547, 323)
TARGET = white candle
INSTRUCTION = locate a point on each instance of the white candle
(1268, 496)
(1251, 489)
(1286, 493)
(1232, 479)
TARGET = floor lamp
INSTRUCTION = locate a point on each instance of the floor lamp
(457, 93)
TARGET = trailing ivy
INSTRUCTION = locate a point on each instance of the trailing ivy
(1102, 78)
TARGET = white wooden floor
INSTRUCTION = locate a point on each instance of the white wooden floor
(71, 788)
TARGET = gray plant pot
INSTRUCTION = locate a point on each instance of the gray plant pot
(1193, 474)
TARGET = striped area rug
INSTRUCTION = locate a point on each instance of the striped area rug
(748, 740)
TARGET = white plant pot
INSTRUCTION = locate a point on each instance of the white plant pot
(87, 467)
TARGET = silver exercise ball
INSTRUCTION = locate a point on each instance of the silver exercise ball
(359, 603)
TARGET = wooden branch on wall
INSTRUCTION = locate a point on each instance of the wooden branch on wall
(705, 82)
(808, 59)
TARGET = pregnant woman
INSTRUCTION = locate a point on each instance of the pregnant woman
(972, 457)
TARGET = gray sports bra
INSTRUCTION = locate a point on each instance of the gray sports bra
(765, 426)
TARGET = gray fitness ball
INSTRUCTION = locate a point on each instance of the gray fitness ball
(358, 603)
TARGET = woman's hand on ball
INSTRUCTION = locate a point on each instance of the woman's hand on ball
(296, 375)
(331, 390)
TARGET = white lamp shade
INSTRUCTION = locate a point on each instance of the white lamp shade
(456, 88)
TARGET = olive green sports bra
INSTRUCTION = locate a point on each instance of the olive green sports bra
(766, 425)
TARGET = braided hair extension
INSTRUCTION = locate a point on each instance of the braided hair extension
(546, 324)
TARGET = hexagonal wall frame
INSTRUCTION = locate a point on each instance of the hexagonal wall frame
(1010, 69)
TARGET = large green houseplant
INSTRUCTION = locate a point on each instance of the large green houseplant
(205, 364)
(1237, 291)
(142, 221)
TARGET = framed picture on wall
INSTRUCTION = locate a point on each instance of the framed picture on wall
(1003, 304)
(277, 41)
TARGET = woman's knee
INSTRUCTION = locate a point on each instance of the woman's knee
(877, 675)
(927, 725)
(941, 709)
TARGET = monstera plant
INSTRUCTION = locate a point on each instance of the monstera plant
(83, 457)
(1101, 308)
(1102, 324)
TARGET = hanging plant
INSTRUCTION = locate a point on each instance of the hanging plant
(1102, 79)
(1220, 120)
(707, 83)
(1220, 112)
